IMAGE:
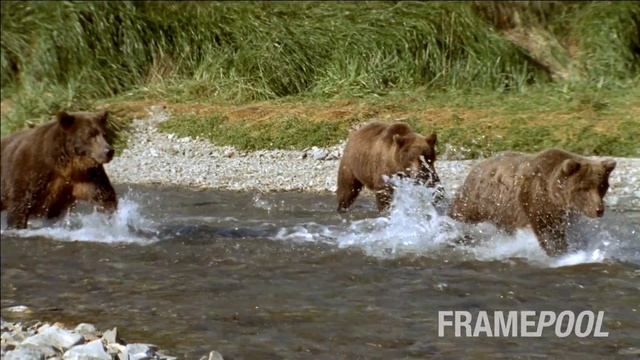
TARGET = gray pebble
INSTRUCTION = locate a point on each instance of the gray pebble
(214, 355)
(110, 336)
(319, 154)
(86, 330)
(56, 337)
(141, 351)
(24, 354)
(18, 309)
(93, 350)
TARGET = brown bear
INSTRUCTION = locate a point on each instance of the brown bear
(379, 150)
(47, 168)
(515, 190)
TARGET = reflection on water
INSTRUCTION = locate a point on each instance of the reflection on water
(281, 275)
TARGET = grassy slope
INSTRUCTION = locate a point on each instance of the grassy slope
(603, 122)
(285, 75)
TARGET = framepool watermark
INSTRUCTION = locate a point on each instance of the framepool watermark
(525, 323)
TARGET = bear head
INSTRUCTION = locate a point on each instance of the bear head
(415, 155)
(583, 185)
(86, 135)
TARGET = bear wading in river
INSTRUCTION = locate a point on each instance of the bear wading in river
(378, 151)
(47, 168)
(545, 190)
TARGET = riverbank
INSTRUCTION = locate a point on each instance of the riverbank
(156, 157)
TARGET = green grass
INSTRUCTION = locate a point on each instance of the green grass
(283, 133)
(380, 55)
(470, 125)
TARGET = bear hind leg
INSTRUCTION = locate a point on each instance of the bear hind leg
(348, 189)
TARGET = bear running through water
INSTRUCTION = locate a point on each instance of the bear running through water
(377, 151)
(47, 168)
(515, 190)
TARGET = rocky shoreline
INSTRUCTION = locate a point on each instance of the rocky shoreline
(35, 340)
(153, 157)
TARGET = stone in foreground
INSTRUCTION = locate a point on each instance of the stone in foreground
(25, 353)
(56, 337)
(90, 351)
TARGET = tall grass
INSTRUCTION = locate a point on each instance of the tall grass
(61, 54)
(616, 26)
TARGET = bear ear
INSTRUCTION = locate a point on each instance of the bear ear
(432, 139)
(609, 165)
(399, 140)
(103, 117)
(65, 120)
(570, 167)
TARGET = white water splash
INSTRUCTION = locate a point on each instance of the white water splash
(497, 245)
(308, 232)
(413, 226)
(126, 225)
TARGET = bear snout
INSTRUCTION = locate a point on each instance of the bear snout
(109, 152)
(103, 155)
(435, 178)
(594, 212)
(439, 193)
(431, 178)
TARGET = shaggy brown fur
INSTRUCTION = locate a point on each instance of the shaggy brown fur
(515, 190)
(47, 168)
(378, 150)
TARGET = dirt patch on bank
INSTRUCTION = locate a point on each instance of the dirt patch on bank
(333, 111)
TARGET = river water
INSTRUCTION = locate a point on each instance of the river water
(283, 276)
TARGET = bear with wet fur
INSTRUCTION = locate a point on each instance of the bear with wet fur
(47, 168)
(379, 150)
(545, 190)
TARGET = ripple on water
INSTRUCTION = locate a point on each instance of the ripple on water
(220, 282)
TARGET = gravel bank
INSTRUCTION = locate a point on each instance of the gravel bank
(153, 157)
(36, 340)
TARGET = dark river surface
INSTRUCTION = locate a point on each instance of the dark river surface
(283, 276)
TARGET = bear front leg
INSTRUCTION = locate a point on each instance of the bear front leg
(97, 189)
(348, 189)
(552, 238)
(383, 198)
(17, 216)
(18, 205)
(106, 199)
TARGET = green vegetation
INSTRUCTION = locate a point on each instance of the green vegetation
(283, 133)
(504, 75)
(469, 125)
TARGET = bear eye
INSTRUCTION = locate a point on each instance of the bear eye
(603, 187)
(425, 160)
